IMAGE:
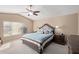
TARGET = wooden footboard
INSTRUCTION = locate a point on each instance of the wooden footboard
(32, 45)
(35, 47)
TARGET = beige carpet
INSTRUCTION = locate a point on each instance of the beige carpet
(17, 47)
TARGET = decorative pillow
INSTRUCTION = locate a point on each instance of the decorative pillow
(46, 32)
(40, 31)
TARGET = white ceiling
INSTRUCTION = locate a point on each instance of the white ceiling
(45, 10)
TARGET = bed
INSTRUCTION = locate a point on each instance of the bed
(39, 40)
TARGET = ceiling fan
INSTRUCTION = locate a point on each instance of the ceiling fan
(31, 12)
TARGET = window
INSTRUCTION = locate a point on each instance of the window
(12, 28)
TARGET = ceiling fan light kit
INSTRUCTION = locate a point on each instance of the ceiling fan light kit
(29, 13)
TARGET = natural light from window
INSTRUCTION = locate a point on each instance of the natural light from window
(12, 28)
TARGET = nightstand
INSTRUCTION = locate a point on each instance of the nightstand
(1, 42)
(59, 39)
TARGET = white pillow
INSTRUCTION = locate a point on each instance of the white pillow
(40, 31)
(46, 32)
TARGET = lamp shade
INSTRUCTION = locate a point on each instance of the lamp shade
(56, 26)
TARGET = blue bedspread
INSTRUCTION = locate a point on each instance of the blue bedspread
(37, 37)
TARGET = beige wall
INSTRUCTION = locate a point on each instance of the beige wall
(67, 23)
(78, 23)
(14, 18)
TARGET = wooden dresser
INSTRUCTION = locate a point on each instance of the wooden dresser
(1, 42)
(59, 39)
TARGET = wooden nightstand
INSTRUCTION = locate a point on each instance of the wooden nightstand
(1, 42)
(59, 39)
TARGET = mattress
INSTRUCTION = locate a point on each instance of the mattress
(37, 37)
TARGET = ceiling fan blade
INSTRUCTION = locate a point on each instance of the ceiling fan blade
(27, 9)
(36, 11)
(35, 14)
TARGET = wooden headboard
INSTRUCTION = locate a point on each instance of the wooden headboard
(49, 27)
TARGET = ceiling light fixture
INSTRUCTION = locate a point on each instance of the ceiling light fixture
(31, 12)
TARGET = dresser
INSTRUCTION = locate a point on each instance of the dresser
(1, 42)
(59, 39)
